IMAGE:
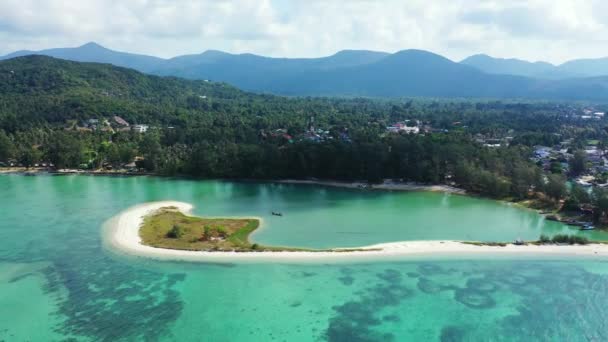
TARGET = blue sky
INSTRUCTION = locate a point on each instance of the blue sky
(554, 31)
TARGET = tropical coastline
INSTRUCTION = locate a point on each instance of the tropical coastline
(282, 187)
(122, 234)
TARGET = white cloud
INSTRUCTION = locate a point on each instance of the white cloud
(532, 29)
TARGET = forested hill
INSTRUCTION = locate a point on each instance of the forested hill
(39, 91)
(406, 73)
(35, 89)
(44, 75)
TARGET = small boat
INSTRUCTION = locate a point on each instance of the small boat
(588, 227)
(274, 213)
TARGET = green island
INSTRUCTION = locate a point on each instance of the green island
(169, 228)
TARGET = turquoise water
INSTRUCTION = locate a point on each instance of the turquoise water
(58, 282)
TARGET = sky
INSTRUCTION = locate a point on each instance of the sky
(547, 30)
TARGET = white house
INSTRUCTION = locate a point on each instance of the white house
(402, 127)
(140, 128)
(408, 129)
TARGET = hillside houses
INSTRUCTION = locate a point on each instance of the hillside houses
(407, 126)
(592, 114)
(314, 135)
(93, 125)
(596, 159)
(115, 124)
(557, 159)
(493, 140)
(552, 159)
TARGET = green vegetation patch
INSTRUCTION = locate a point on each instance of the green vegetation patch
(561, 239)
(564, 239)
(169, 228)
(489, 243)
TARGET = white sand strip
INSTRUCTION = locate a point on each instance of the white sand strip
(122, 234)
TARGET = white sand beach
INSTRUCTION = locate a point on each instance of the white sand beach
(121, 233)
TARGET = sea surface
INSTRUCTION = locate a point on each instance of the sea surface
(58, 282)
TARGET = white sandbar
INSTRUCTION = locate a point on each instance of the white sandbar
(122, 234)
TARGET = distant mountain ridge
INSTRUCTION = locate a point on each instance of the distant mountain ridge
(361, 73)
(572, 69)
(93, 52)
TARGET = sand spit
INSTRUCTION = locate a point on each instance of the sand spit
(121, 233)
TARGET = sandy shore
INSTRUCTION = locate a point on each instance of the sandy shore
(44, 170)
(121, 233)
(21, 170)
(386, 185)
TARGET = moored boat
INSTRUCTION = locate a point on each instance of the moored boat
(588, 227)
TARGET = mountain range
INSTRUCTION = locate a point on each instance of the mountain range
(512, 66)
(367, 73)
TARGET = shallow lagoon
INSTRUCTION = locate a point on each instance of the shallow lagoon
(57, 280)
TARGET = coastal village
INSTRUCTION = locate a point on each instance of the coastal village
(554, 158)
(111, 126)
(592, 155)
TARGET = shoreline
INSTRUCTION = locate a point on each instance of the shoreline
(34, 171)
(387, 185)
(121, 233)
